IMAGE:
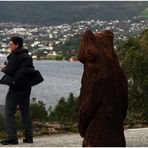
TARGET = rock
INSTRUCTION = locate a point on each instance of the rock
(55, 126)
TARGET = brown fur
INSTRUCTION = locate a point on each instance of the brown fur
(104, 92)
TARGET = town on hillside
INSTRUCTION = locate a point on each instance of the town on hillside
(42, 39)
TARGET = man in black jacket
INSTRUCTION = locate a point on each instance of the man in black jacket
(17, 95)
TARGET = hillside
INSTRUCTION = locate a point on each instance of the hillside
(56, 12)
(144, 13)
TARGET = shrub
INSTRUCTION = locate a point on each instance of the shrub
(38, 111)
(65, 111)
(134, 61)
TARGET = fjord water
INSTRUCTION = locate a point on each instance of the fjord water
(60, 79)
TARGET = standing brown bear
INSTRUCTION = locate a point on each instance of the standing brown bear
(103, 94)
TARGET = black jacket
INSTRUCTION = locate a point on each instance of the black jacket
(17, 60)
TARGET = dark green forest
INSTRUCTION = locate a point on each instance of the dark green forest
(56, 12)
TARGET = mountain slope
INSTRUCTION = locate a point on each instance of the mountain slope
(56, 12)
(144, 13)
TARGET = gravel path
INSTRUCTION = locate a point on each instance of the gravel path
(134, 138)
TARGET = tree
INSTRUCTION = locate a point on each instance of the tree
(134, 59)
(38, 111)
(65, 111)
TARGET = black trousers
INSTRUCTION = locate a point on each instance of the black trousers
(16, 98)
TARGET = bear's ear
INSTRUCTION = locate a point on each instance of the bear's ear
(108, 31)
(88, 35)
(88, 32)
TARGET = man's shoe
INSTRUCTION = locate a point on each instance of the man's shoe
(28, 140)
(7, 142)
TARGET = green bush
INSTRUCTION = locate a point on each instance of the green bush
(38, 111)
(65, 111)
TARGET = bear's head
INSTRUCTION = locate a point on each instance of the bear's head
(96, 46)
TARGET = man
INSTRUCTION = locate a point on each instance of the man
(17, 95)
